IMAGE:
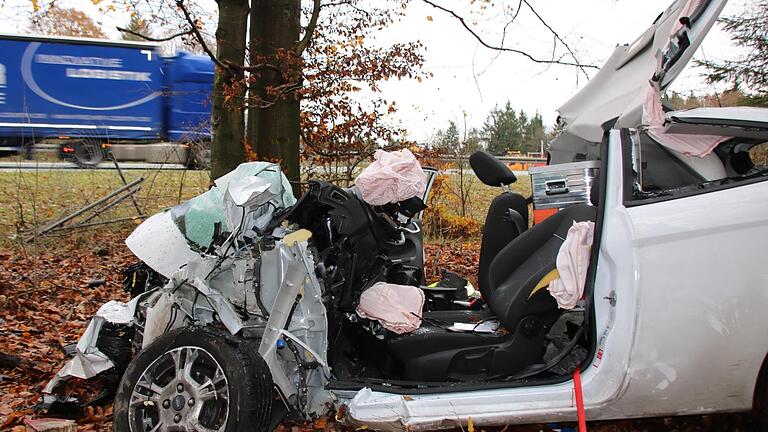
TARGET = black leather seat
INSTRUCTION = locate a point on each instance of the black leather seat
(507, 215)
(433, 353)
(518, 267)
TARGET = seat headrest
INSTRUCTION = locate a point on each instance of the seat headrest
(490, 170)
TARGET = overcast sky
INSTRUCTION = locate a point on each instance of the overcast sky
(469, 80)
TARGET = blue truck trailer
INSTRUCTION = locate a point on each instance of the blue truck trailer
(89, 95)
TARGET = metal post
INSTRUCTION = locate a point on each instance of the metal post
(122, 177)
(66, 219)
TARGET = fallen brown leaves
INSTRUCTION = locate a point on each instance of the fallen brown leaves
(46, 303)
(458, 257)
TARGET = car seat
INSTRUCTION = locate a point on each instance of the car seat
(434, 353)
(507, 215)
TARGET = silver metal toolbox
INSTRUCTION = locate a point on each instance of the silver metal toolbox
(558, 186)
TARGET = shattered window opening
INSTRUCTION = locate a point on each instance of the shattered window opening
(659, 173)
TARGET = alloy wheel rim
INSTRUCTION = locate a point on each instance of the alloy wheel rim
(185, 389)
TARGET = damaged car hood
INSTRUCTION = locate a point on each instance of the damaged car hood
(617, 91)
(170, 239)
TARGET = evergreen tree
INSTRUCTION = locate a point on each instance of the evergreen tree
(507, 130)
(502, 130)
(747, 72)
(535, 134)
(451, 136)
(139, 25)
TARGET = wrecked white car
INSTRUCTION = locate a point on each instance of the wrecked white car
(642, 293)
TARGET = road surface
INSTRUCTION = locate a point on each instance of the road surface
(10, 166)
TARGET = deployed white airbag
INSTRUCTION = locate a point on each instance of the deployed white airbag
(572, 264)
(392, 177)
(396, 307)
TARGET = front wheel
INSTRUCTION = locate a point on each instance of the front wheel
(195, 379)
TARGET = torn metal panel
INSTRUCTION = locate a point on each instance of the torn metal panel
(295, 336)
(389, 411)
(89, 361)
(278, 320)
(168, 240)
(274, 264)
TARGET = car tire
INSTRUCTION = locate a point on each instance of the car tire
(226, 387)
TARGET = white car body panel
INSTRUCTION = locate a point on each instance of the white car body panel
(704, 289)
(618, 89)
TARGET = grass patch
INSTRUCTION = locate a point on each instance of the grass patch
(33, 198)
(449, 217)
(30, 199)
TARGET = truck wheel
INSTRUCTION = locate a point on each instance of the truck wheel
(88, 154)
(195, 378)
(199, 155)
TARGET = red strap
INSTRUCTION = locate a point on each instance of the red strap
(579, 400)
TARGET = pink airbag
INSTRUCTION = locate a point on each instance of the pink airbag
(654, 118)
(392, 177)
(687, 144)
(396, 307)
(572, 264)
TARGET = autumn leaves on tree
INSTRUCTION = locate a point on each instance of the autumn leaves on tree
(296, 84)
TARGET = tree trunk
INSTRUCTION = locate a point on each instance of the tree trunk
(227, 119)
(275, 134)
(256, 85)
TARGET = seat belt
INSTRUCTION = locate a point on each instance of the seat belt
(579, 400)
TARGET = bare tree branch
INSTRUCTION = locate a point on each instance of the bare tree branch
(502, 48)
(304, 42)
(153, 39)
(557, 37)
(284, 90)
(193, 28)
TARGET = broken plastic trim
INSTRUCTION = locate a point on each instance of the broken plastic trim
(89, 361)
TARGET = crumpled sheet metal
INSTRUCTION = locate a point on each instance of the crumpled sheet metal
(392, 177)
(394, 417)
(248, 195)
(194, 274)
(88, 360)
(251, 185)
(168, 240)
